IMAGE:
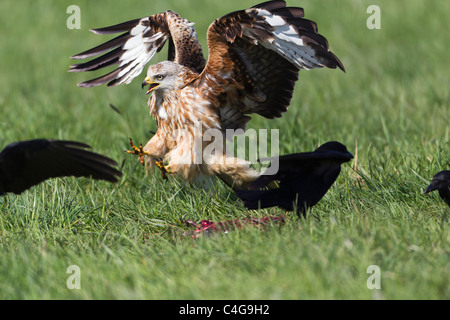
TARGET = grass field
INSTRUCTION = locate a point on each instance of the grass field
(391, 109)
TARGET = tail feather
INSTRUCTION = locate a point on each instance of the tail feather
(236, 173)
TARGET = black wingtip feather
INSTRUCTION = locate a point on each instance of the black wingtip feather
(290, 12)
(332, 61)
(113, 43)
(121, 27)
(271, 5)
(78, 162)
(103, 61)
(100, 80)
(27, 163)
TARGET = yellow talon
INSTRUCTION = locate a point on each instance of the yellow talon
(164, 169)
(139, 151)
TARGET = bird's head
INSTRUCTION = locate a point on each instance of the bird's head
(440, 181)
(166, 75)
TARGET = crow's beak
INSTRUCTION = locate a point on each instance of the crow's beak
(431, 187)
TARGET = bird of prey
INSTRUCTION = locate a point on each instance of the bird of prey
(302, 179)
(255, 56)
(26, 163)
(441, 182)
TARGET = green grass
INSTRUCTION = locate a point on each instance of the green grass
(391, 109)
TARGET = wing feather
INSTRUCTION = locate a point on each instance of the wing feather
(103, 61)
(27, 163)
(255, 56)
(121, 27)
(141, 40)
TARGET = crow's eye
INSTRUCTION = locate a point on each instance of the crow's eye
(159, 77)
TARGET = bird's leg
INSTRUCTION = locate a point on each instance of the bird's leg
(165, 169)
(139, 151)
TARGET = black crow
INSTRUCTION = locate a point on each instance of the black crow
(441, 182)
(301, 181)
(27, 163)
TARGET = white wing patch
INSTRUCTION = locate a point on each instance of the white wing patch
(139, 29)
(138, 52)
(288, 42)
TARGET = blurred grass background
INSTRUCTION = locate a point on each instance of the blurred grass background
(391, 109)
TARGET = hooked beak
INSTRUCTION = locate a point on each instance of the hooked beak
(152, 85)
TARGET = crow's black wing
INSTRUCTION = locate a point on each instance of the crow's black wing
(27, 163)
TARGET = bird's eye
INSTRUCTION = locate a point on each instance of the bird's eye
(159, 77)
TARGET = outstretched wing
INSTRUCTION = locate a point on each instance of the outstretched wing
(134, 48)
(254, 59)
(27, 163)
